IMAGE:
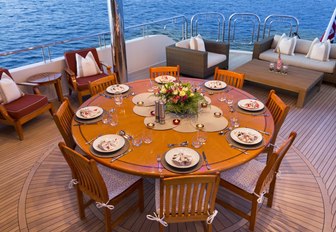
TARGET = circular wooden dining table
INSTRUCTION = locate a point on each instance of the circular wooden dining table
(142, 160)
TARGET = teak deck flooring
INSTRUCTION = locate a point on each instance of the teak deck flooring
(34, 177)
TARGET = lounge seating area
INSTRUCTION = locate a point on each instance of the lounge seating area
(301, 53)
(198, 59)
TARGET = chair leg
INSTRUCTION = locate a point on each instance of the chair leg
(208, 227)
(271, 193)
(19, 130)
(253, 216)
(108, 224)
(70, 91)
(51, 110)
(141, 197)
(161, 228)
(80, 98)
(80, 202)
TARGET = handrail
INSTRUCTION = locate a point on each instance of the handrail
(245, 16)
(101, 37)
(280, 18)
(220, 19)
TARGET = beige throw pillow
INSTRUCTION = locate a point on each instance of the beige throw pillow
(286, 45)
(86, 66)
(193, 43)
(200, 43)
(9, 91)
(319, 50)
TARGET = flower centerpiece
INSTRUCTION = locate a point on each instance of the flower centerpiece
(180, 98)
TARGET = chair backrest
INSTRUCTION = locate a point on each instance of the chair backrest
(86, 173)
(279, 111)
(101, 84)
(272, 167)
(70, 58)
(63, 118)
(166, 70)
(229, 77)
(190, 197)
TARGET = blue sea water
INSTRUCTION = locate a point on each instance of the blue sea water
(27, 23)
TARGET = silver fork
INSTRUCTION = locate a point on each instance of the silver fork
(158, 159)
(91, 140)
(183, 144)
(239, 149)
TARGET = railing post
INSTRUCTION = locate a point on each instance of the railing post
(116, 17)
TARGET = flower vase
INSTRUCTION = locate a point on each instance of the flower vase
(279, 63)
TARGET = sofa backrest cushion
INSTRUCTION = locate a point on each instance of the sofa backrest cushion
(183, 44)
(332, 54)
(302, 46)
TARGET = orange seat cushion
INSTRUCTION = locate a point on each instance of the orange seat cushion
(25, 105)
(83, 82)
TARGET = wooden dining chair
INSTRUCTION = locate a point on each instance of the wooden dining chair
(229, 77)
(101, 84)
(103, 185)
(251, 181)
(63, 118)
(190, 198)
(165, 70)
(279, 111)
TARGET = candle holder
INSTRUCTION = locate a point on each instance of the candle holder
(176, 121)
(204, 104)
(140, 103)
(217, 114)
(150, 125)
(199, 126)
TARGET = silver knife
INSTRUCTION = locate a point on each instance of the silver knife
(206, 161)
(121, 155)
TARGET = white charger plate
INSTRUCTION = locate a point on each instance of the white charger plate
(165, 79)
(119, 88)
(119, 142)
(215, 85)
(169, 156)
(234, 136)
(96, 109)
(244, 104)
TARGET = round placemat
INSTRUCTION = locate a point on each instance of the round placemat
(88, 121)
(242, 146)
(179, 170)
(144, 111)
(111, 154)
(148, 99)
(240, 110)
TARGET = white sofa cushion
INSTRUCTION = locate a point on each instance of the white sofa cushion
(286, 45)
(275, 41)
(215, 58)
(86, 66)
(299, 60)
(183, 44)
(319, 50)
(9, 91)
(200, 43)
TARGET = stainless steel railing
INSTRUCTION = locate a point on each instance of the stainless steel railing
(271, 20)
(220, 18)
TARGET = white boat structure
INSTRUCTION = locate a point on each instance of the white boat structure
(35, 175)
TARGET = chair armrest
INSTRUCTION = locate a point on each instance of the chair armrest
(4, 114)
(71, 77)
(217, 47)
(108, 67)
(261, 46)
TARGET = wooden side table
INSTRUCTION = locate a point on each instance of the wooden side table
(49, 78)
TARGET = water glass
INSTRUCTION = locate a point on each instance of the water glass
(229, 99)
(147, 136)
(234, 120)
(221, 97)
(284, 69)
(118, 99)
(106, 117)
(137, 140)
(202, 136)
(195, 142)
(113, 118)
(271, 67)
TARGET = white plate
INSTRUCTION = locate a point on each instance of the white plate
(215, 84)
(194, 154)
(148, 99)
(234, 135)
(93, 112)
(117, 139)
(251, 104)
(117, 88)
(165, 79)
